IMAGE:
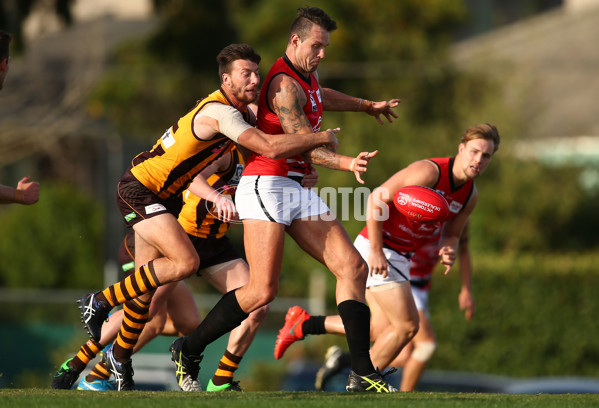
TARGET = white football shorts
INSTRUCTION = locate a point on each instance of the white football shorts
(277, 199)
(399, 266)
(421, 299)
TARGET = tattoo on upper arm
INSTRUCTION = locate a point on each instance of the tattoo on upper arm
(287, 105)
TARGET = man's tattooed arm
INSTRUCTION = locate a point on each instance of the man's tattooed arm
(287, 104)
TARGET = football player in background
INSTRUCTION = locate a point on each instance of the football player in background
(388, 244)
(420, 349)
(415, 355)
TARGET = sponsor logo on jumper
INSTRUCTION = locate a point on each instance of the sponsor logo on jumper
(312, 101)
(168, 139)
(455, 207)
(316, 128)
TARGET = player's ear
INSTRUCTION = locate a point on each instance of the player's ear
(226, 79)
(295, 40)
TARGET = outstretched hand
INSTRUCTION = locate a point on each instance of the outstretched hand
(384, 108)
(359, 165)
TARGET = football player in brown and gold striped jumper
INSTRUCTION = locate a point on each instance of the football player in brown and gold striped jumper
(222, 267)
(148, 195)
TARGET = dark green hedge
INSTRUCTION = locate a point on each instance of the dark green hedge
(536, 316)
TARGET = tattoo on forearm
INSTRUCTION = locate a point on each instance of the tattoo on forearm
(324, 157)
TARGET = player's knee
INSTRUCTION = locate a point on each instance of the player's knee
(412, 328)
(154, 327)
(266, 293)
(186, 266)
(362, 268)
(423, 351)
(257, 294)
(266, 297)
(188, 327)
(355, 268)
(258, 315)
(406, 330)
(358, 263)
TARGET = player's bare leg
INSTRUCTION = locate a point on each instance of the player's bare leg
(264, 242)
(175, 259)
(394, 320)
(182, 315)
(334, 325)
(234, 307)
(327, 241)
(234, 275)
(423, 347)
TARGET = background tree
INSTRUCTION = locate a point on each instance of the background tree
(377, 52)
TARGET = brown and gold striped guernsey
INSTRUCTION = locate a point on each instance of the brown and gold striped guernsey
(179, 154)
(197, 217)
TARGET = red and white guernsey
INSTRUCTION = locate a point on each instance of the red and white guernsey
(406, 236)
(424, 261)
(268, 122)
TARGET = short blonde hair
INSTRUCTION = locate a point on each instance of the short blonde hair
(485, 131)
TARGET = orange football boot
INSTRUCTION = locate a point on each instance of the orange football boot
(291, 331)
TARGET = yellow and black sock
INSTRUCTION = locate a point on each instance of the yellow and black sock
(135, 317)
(86, 353)
(227, 366)
(140, 282)
(98, 373)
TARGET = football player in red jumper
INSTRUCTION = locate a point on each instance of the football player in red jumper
(388, 242)
(415, 355)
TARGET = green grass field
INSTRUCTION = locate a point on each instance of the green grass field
(24, 398)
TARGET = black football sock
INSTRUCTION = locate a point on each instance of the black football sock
(224, 317)
(356, 320)
(314, 325)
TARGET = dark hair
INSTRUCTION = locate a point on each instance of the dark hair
(5, 39)
(308, 16)
(483, 131)
(232, 53)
